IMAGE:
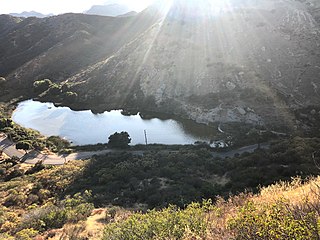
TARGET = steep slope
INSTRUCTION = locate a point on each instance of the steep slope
(252, 61)
(60, 46)
(7, 22)
(215, 63)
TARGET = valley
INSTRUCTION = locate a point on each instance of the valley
(274, 73)
(187, 120)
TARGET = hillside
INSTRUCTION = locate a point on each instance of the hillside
(253, 62)
(60, 46)
(210, 68)
(281, 211)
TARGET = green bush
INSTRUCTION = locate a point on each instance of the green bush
(169, 223)
(58, 142)
(70, 210)
(15, 198)
(54, 89)
(5, 122)
(27, 138)
(119, 140)
(26, 234)
(24, 145)
(70, 97)
(41, 86)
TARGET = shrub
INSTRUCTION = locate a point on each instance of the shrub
(15, 198)
(5, 122)
(36, 168)
(54, 89)
(278, 221)
(17, 172)
(70, 97)
(41, 85)
(26, 234)
(58, 142)
(6, 236)
(24, 145)
(169, 223)
(119, 140)
(71, 210)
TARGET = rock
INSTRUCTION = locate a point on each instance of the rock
(313, 112)
(250, 110)
(241, 111)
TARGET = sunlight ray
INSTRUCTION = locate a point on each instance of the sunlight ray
(156, 28)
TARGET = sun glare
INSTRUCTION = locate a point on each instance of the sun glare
(60, 6)
(198, 7)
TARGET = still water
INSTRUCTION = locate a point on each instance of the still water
(84, 127)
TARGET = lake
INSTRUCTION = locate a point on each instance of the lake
(84, 127)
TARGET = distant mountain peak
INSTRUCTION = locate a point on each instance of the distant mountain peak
(27, 14)
(111, 10)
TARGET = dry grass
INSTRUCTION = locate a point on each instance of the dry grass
(299, 198)
(92, 228)
(293, 206)
(295, 192)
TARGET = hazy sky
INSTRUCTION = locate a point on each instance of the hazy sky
(62, 6)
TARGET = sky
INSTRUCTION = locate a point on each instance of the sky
(63, 6)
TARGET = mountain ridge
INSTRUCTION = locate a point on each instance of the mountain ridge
(233, 75)
(250, 63)
(27, 14)
(111, 10)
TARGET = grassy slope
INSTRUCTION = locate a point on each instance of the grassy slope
(280, 211)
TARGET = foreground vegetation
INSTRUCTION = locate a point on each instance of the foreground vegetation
(36, 199)
(32, 206)
(281, 211)
(31, 203)
(157, 179)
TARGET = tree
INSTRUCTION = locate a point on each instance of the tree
(119, 140)
(70, 97)
(10, 132)
(59, 142)
(41, 85)
(5, 122)
(55, 89)
(24, 145)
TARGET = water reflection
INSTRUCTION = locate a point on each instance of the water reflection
(84, 127)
